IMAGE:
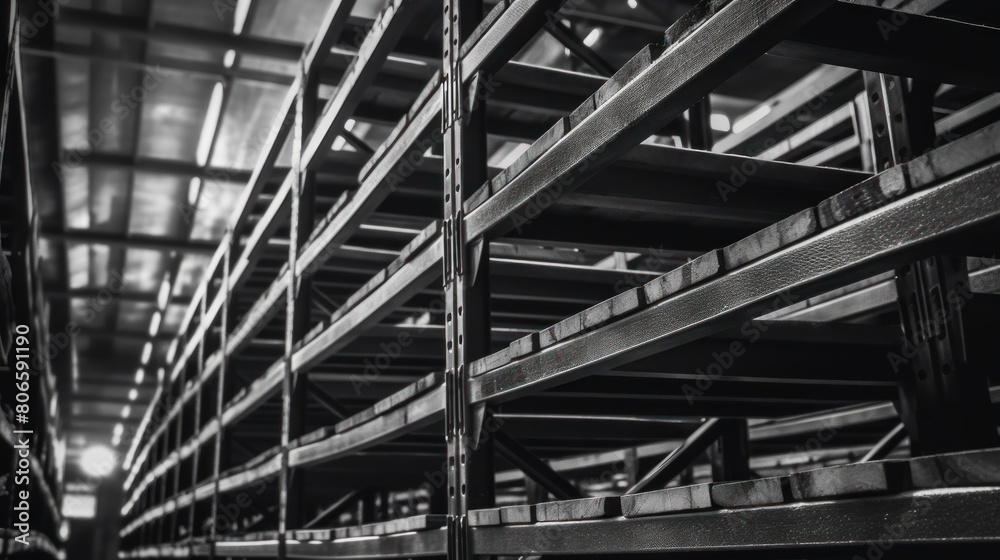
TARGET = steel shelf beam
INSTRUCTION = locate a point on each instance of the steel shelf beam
(506, 271)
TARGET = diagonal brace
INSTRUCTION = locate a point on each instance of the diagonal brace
(538, 470)
(885, 445)
(328, 402)
(680, 458)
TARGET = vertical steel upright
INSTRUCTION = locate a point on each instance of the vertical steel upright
(220, 397)
(945, 401)
(466, 277)
(290, 386)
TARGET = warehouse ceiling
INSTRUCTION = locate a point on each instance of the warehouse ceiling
(146, 120)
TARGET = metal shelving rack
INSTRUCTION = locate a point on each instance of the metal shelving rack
(30, 444)
(320, 309)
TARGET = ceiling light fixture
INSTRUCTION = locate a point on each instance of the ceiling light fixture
(211, 123)
(240, 16)
(98, 461)
(720, 122)
(154, 325)
(147, 352)
(161, 298)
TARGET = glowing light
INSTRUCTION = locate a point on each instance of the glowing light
(79, 506)
(127, 411)
(140, 375)
(161, 298)
(211, 123)
(194, 187)
(240, 16)
(154, 325)
(119, 429)
(720, 122)
(147, 351)
(591, 39)
(99, 461)
(633, 4)
(133, 394)
(230, 58)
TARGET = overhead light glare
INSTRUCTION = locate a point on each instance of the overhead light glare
(240, 16)
(751, 118)
(720, 122)
(210, 125)
(147, 352)
(154, 325)
(99, 461)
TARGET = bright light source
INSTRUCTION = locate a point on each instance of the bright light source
(79, 506)
(633, 4)
(210, 124)
(127, 411)
(119, 428)
(591, 39)
(230, 58)
(751, 119)
(720, 122)
(339, 144)
(240, 16)
(147, 351)
(160, 374)
(64, 531)
(140, 374)
(161, 298)
(133, 394)
(194, 187)
(98, 461)
(172, 351)
(349, 125)
(154, 325)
